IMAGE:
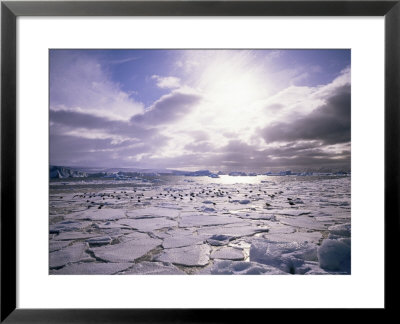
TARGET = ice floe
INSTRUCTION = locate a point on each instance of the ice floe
(200, 225)
(181, 241)
(68, 225)
(153, 212)
(300, 237)
(236, 230)
(57, 245)
(154, 268)
(196, 255)
(103, 240)
(228, 253)
(304, 222)
(92, 268)
(220, 239)
(95, 214)
(342, 230)
(67, 236)
(73, 253)
(225, 267)
(206, 220)
(286, 256)
(150, 224)
(127, 251)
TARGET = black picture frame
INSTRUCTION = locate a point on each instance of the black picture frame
(10, 10)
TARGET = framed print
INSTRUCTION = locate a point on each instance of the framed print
(164, 158)
(208, 208)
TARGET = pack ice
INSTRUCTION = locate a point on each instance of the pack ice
(180, 225)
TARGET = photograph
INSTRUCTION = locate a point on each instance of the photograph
(199, 161)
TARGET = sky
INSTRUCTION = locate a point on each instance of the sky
(221, 110)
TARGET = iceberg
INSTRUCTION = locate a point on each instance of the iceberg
(59, 172)
(334, 255)
(237, 173)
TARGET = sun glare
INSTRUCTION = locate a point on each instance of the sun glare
(232, 86)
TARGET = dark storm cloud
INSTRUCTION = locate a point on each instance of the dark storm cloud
(264, 161)
(74, 151)
(80, 151)
(301, 154)
(307, 154)
(245, 157)
(239, 156)
(169, 108)
(329, 123)
(87, 121)
(81, 139)
(79, 119)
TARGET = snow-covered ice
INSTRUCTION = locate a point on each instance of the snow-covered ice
(334, 255)
(220, 239)
(228, 253)
(196, 255)
(96, 214)
(289, 257)
(148, 224)
(103, 240)
(69, 236)
(68, 225)
(198, 220)
(226, 267)
(70, 254)
(153, 212)
(201, 225)
(154, 268)
(181, 241)
(340, 230)
(314, 237)
(92, 268)
(127, 251)
(55, 245)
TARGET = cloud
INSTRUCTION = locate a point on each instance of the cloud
(79, 139)
(232, 132)
(237, 155)
(274, 107)
(67, 121)
(79, 83)
(166, 82)
(329, 123)
(123, 61)
(169, 108)
(296, 155)
(198, 135)
(226, 113)
(85, 147)
(200, 147)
